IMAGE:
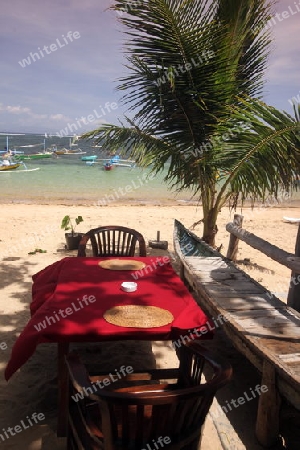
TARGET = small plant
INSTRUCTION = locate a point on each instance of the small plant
(67, 224)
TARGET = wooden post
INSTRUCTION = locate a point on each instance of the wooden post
(267, 421)
(293, 299)
(234, 241)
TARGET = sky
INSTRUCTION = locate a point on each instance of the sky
(61, 59)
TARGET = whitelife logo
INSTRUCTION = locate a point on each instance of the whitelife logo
(63, 313)
(12, 431)
(48, 49)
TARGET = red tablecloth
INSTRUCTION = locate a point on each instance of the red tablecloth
(71, 296)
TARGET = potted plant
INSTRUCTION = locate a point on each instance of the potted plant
(72, 238)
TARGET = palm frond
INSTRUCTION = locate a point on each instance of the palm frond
(264, 157)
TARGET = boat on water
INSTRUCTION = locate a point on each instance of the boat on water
(117, 162)
(89, 158)
(12, 152)
(69, 152)
(41, 155)
(108, 166)
(20, 155)
(8, 167)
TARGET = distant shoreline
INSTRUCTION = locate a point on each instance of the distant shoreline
(141, 202)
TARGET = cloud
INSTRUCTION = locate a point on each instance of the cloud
(79, 77)
(29, 117)
(21, 110)
(59, 117)
(14, 109)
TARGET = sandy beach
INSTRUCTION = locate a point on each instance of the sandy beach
(24, 228)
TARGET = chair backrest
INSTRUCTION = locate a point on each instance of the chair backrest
(113, 240)
(150, 414)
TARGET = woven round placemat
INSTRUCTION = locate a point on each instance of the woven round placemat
(137, 316)
(119, 264)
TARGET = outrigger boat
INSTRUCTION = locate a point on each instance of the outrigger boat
(33, 156)
(70, 151)
(89, 158)
(117, 162)
(10, 168)
(8, 164)
(188, 244)
(21, 156)
(108, 166)
(13, 152)
(7, 167)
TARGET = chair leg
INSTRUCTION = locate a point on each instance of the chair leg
(63, 389)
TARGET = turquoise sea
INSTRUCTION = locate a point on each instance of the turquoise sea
(68, 180)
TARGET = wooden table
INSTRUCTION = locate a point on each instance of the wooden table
(71, 296)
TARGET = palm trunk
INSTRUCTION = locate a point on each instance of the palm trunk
(210, 214)
(210, 228)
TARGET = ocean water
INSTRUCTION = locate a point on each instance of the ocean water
(68, 180)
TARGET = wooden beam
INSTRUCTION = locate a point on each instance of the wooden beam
(272, 251)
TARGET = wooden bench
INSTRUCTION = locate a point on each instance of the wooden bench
(260, 326)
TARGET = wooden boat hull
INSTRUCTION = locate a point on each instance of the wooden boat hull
(119, 162)
(33, 156)
(66, 152)
(10, 167)
(89, 158)
(187, 243)
(261, 327)
(108, 166)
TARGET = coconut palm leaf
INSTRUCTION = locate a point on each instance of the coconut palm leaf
(262, 159)
(193, 82)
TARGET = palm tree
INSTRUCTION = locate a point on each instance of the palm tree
(193, 89)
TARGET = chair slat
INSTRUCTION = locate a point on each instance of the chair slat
(113, 240)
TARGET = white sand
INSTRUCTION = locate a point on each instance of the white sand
(24, 228)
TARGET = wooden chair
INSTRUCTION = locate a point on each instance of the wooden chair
(144, 409)
(113, 240)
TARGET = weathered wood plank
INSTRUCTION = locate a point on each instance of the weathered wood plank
(232, 302)
(290, 358)
(233, 288)
(255, 346)
(209, 263)
(260, 326)
(219, 276)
